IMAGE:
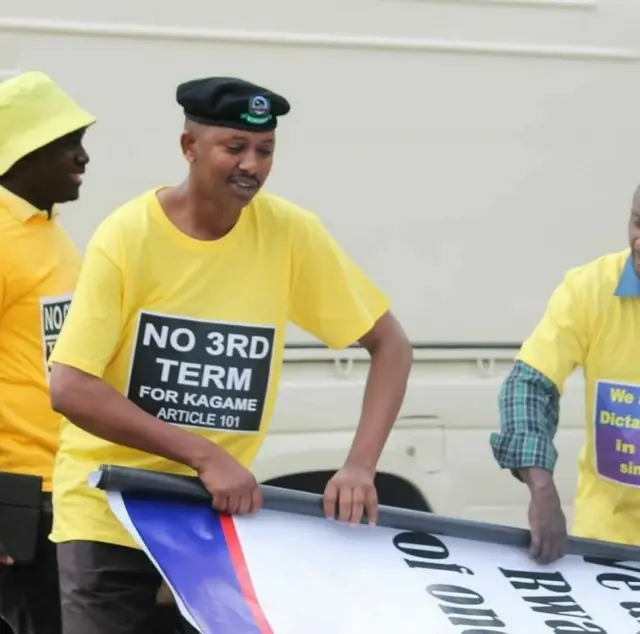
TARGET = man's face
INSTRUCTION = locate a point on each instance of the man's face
(229, 165)
(634, 232)
(55, 170)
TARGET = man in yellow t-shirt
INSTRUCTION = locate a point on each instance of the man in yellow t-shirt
(592, 321)
(171, 353)
(41, 164)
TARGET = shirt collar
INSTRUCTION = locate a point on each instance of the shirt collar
(629, 281)
(20, 208)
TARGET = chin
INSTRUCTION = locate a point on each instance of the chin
(68, 197)
(245, 199)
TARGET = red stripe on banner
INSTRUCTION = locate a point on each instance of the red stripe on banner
(242, 572)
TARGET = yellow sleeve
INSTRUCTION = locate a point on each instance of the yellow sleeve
(331, 297)
(91, 331)
(3, 283)
(558, 344)
(5, 268)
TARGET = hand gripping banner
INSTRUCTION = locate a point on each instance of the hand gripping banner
(288, 570)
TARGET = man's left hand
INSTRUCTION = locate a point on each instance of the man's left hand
(352, 489)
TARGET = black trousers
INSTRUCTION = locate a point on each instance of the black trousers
(29, 593)
(108, 589)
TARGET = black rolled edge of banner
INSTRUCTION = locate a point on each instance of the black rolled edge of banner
(152, 484)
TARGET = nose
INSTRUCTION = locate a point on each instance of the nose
(249, 163)
(81, 157)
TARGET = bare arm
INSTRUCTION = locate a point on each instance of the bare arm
(86, 346)
(352, 488)
(391, 359)
(100, 409)
(538, 479)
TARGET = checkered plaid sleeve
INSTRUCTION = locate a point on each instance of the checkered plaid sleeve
(529, 412)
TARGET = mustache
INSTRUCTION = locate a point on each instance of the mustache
(244, 177)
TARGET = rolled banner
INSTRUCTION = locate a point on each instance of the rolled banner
(151, 484)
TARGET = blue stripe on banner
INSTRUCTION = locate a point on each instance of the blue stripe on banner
(188, 543)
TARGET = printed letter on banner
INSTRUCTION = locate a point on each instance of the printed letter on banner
(617, 431)
(205, 374)
(53, 312)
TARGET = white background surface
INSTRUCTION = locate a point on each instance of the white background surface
(465, 153)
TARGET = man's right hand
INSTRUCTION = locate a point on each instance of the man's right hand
(233, 488)
(546, 520)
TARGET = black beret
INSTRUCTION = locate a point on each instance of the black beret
(231, 103)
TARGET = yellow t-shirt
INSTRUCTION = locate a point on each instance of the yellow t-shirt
(192, 332)
(593, 321)
(39, 266)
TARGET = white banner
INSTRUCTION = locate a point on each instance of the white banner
(280, 573)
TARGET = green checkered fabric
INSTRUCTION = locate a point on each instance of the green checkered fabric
(529, 412)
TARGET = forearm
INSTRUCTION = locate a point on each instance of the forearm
(541, 485)
(101, 410)
(529, 410)
(538, 479)
(383, 395)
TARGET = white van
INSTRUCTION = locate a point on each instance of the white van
(465, 153)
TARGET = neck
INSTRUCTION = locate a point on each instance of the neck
(22, 191)
(198, 216)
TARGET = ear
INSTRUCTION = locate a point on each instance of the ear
(188, 146)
